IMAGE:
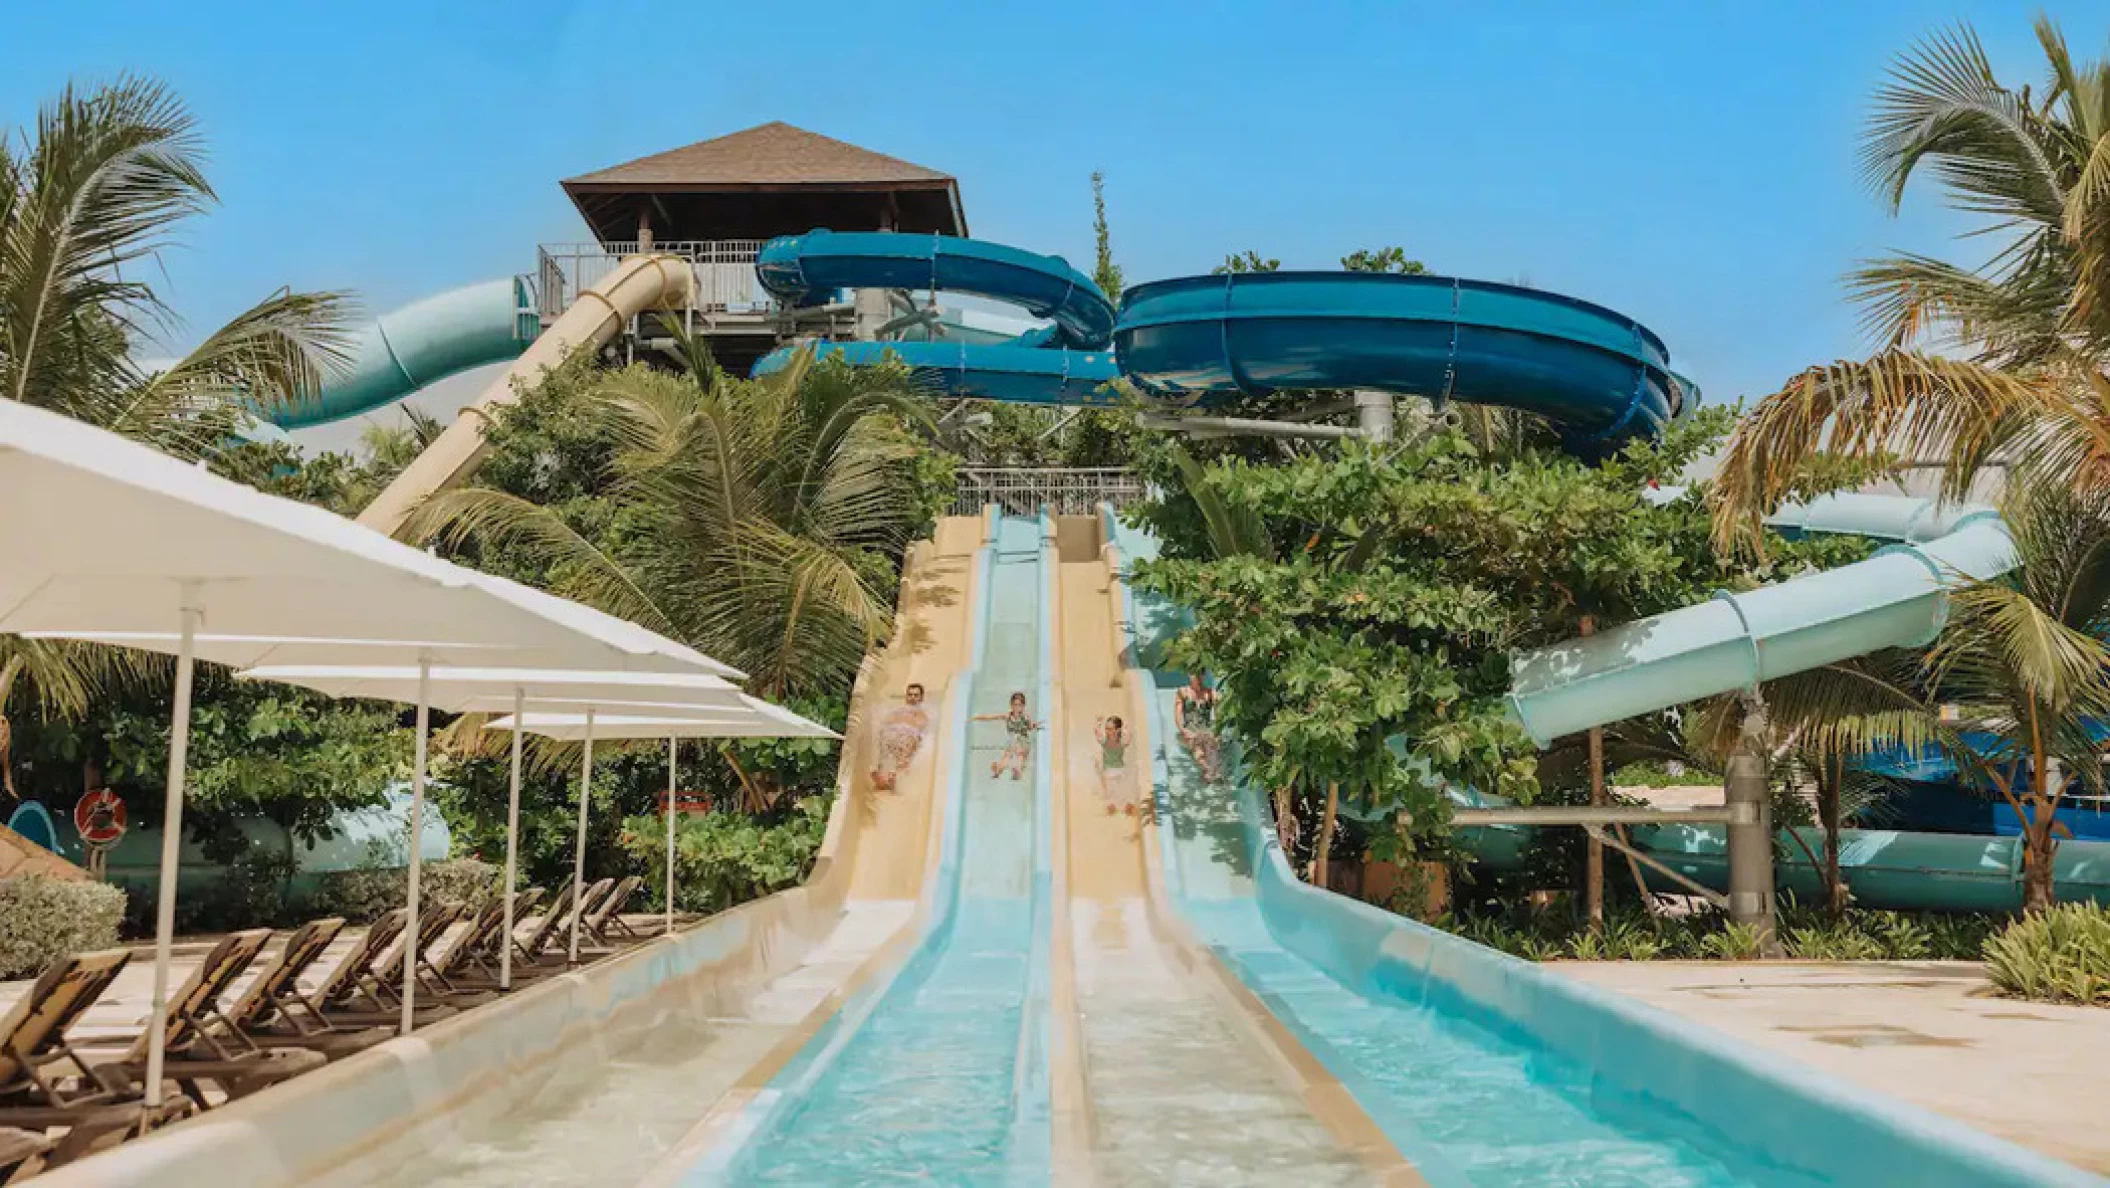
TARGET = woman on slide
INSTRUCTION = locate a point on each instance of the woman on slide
(1194, 714)
(1018, 728)
(1114, 782)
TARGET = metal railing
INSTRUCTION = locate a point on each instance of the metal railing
(725, 273)
(1068, 491)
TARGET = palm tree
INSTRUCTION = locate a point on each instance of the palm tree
(88, 200)
(754, 519)
(2007, 363)
(2009, 691)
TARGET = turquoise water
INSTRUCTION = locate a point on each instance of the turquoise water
(1467, 1106)
(940, 1079)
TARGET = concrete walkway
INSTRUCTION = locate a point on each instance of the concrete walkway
(1930, 1032)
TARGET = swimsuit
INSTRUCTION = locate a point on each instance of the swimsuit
(1113, 753)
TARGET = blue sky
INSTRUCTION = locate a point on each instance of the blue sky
(1691, 164)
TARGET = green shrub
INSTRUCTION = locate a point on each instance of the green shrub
(2061, 954)
(1734, 942)
(722, 859)
(43, 919)
(363, 895)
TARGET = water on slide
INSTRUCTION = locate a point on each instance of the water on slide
(937, 1082)
(1468, 1107)
(1176, 1092)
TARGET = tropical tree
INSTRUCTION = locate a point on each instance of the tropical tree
(89, 198)
(758, 519)
(2006, 363)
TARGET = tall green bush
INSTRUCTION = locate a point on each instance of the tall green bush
(43, 919)
(723, 859)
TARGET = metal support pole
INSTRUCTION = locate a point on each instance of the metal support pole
(578, 862)
(171, 843)
(673, 766)
(1373, 415)
(1751, 830)
(417, 845)
(505, 948)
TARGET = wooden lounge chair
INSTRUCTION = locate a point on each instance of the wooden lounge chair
(22, 1154)
(38, 1095)
(529, 948)
(274, 1013)
(199, 1043)
(550, 940)
(346, 988)
(607, 916)
(432, 925)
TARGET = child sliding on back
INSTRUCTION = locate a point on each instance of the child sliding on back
(1018, 730)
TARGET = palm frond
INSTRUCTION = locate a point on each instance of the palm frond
(108, 173)
(537, 536)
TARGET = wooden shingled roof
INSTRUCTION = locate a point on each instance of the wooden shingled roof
(770, 158)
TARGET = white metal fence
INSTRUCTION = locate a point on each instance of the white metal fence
(1068, 491)
(725, 273)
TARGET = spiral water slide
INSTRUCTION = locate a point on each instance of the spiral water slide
(1599, 375)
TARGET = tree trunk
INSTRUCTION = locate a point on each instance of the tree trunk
(1324, 848)
(1828, 792)
(1286, 821)
(2038, 890)
(1593, 850)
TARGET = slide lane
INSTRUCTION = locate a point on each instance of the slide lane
(1465, 1101)
(654, 1080)
(1184, 1080)
(935, 1071)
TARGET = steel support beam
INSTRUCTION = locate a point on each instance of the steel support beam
(1751, 830)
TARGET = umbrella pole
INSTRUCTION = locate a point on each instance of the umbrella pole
(578, 862)
(505, 947)
(673, 761)
(417, 845)
(171, 844)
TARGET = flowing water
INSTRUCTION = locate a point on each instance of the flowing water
(942, 1080)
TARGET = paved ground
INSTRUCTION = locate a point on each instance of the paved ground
(1926, 1031)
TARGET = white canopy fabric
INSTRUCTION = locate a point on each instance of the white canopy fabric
(463, 689)
(756, 719)
(489, 690)
(105, 538)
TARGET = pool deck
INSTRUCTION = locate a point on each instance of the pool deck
(1929, 1032)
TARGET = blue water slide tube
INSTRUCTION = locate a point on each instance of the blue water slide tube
(1600, 375)
(422, 343)
(809, 269)
(1017, 374)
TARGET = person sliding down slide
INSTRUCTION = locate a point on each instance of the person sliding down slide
(900, 736)
(1019, 726)
(1194, 715)
(1114, 777)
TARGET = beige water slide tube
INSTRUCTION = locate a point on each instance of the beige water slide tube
(638, 284)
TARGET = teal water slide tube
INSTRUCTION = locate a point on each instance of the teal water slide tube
(1897, 598)
(420, 344)
(1601, 376)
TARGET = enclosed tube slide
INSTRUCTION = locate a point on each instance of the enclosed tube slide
(1897, 598)
(638, 284)
(1601, 376)
(420, 344)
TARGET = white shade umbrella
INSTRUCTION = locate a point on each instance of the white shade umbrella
(759, 720)
(101, 537)
(458, 689)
